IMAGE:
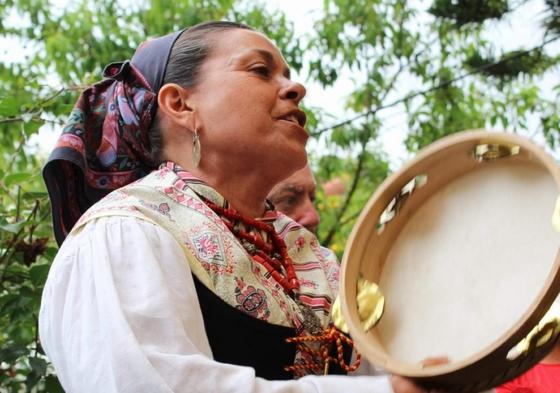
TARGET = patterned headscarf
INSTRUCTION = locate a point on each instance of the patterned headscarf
(105, 143)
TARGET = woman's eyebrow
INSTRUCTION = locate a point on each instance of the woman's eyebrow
(269, 58)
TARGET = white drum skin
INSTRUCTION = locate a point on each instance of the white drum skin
(467, 266)
(470, 259)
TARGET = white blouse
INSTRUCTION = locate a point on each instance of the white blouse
(120, 313)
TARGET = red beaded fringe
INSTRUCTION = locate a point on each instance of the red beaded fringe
(272, 264)
(329, 336)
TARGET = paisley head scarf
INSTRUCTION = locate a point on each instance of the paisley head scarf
(105, 143)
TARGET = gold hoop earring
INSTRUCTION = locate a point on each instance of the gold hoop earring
(196, 149)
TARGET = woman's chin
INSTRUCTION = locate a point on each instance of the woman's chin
(291, 163)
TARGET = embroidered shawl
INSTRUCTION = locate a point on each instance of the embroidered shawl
(170, 197)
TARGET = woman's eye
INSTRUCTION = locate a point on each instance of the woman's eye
(261, 70)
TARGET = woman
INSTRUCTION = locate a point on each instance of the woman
(187, 280)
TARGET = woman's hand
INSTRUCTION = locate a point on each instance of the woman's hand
(405, 385)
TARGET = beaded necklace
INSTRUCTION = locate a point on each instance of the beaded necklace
(272, 255)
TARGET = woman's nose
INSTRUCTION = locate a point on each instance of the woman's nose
(293, 91)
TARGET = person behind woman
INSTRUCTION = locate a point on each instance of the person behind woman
(185, 279)
(295, 197)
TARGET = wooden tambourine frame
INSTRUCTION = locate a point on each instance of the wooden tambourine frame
(461, 244)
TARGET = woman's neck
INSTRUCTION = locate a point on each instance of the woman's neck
(246, 193)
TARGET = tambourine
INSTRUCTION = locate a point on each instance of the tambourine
(461, 244)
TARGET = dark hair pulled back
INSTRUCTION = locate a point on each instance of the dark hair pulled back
(189, 52)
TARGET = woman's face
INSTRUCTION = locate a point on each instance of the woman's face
(246, 106)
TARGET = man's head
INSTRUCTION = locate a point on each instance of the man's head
(295, 196)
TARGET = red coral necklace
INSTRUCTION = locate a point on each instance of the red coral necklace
(273, 255)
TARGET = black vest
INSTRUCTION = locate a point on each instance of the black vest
(238, 338)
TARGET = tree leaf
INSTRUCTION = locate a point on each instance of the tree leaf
(17, 177)
(38, 369)
(11, 352)
(9, 106)
(38, 365)
(32, 195)
(52, 385)
(38, 273)
(12, 228)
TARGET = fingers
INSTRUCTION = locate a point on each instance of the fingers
(405, 385)
(434, 361)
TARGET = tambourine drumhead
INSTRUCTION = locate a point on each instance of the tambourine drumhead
(468, 265)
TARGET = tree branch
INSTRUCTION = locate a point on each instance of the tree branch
(9, 251)
(335, 227)
(441, 85)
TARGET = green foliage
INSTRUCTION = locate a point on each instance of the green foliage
(25, 256)
(511, 64)
(552, 19)
(24, 235)
(551, 125)
(469, 11)
(383, 46)
(360, 178)
(445, 111)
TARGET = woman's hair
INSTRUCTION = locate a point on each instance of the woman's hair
(189, 52)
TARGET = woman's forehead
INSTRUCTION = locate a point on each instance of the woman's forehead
(236, 44)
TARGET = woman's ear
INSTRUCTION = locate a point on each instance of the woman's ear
(173, 102)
